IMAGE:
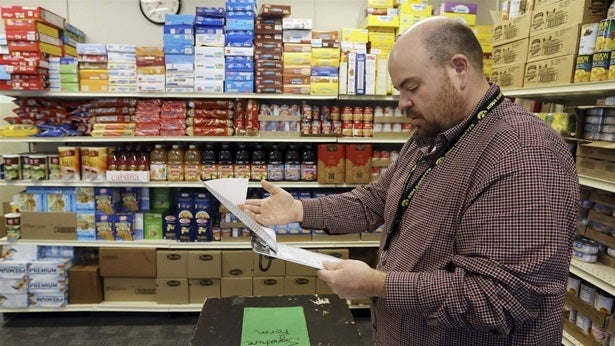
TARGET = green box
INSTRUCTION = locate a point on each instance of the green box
(152, 226)
(160, 198)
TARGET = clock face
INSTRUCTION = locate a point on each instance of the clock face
(155, 10)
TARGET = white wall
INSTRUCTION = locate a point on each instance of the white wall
(120, 21)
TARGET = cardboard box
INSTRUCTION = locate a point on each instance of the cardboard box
(299, 285)
(510, 30)
(129, 289)
(276, 268)
(201, 289)
(204, 264)
(508, 76)
(172, 263)
(596, 168)
(236, 287)
(510, 53)
(294, 269)
(358, 163)
(555, 71)
(48, 225)
(322, 287)
(339, 253)
(85, 284)
(172, 291)
(237, 263)
(125, 262)
(268, 286)
(559, 14)
(553, 43)
(331, 163)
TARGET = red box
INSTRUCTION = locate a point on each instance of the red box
(358, 163)
(331, 163)
(28, 12)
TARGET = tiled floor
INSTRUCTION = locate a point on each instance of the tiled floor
(113, 328)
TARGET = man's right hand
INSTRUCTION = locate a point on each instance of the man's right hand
(279, 208)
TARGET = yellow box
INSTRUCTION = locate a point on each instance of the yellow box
(292, 58)
(93, 75)
(379, 21)
(90, 85)
(482, 30)
(417, 9)
(328, 89)
(325, 53)
(469, 19)
(355, 35)
(335, 62)
(380, 3)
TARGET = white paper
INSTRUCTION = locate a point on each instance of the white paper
(233, 191)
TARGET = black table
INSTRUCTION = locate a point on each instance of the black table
(329, 320)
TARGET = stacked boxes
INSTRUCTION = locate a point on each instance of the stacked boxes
(297, 55)
(353, 44)
(268, 49)
(465, 12)
(122, 67)
(209, 64)
(150, 69)
(48, 282)
(70, 36)
(179, 53)
(64, 74)
(412, 13)
(325, 63)
(93, 73)
(239, 45)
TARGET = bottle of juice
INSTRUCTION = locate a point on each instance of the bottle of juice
(225, 162)
(275, 167)
(158, 163)
(309, 167)
(175, 163)
(209, 168)
(192, 163)
(292, 165)
(242, 162)
(258, 166)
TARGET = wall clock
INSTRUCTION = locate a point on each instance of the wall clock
(155, 10)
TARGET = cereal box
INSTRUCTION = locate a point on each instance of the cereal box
(331, 163)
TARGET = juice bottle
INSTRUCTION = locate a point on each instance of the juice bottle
(209, 168)
(192, 164)
(175, 163)
(158, 163)
(309, 168)
(242, 162)
(225, 162)
(292, 165)
(275, 167)
(258, 166)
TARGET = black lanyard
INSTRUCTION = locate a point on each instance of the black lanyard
(410, 190)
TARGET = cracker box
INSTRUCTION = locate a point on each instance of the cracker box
(331, 163)
(358, 163)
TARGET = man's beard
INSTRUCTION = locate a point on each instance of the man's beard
(447, 107)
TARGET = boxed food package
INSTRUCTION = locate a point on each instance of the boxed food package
(555, 71)
(358, 163)
(331, 163)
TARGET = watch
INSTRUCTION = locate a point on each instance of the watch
(156, 10)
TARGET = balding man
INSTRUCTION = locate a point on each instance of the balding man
(479, 208)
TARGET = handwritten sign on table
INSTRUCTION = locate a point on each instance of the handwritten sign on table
(284, 326)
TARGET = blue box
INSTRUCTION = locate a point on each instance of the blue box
(240, 5)
(247, 66)
(216, 12)
(177, 39)
(178, 19)
(208, 29)
(179, 59)
(239, 41)
(179, 29)
(208, 21)
(239, 24)
(178, 49)
(239, 76)
(91, 48)
(104, 227)
(325, 71)
(248, 15)
(238, 87)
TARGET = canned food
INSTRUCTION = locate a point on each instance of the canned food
(12, 166)
(573, 286)
(38, 167)
(25, 166)
(53, 161)
(587, 293)
(603, 302)
(584, 256)
(583, 322)
(586, 246)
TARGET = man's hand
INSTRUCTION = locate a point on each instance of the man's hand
(351, 279)
(279, 208)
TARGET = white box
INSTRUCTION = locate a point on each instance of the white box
(130, 176)
(57, 267)
(352, 74)
(208, 86)
(15, 252)
(14, 285)
(382, 74)
(14, 300)
(48, 300)
(208, 52)
(13, 269)
(370, 74)
(47, 283)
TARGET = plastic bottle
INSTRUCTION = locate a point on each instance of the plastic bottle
(225, 162)
(610, 14)
(209, 168)
(258, 166)
(275, 167)
(192, 163)
(175, 163)
(292, 164)
(242, 162)
(158, 163)
(309, 168)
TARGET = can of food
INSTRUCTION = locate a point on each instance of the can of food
(53, 162)
(587, 293)
(12, 166)
(84, 158)
(611, 73)
(583, 322)
(587, 41)
(98, 158)
(13, 226)
(572, 315)
(357, 129)
(38, 167)
(69, 163)
(600, 66)
(25, 166)
(406, 127)
(598, 333)
(396, 127)
(368, 129)
(583, 68)
(603, 302)
(573, 286)
(584, 257)
(585, 246)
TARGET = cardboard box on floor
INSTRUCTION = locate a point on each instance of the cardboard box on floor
(85, 284)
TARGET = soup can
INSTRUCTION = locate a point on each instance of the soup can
(12, 166)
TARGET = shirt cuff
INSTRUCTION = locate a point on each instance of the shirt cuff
(401, 290)
(312, 214)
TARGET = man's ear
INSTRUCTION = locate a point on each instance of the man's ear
(461, 66)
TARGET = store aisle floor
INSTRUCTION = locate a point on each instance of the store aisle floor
(113, 328)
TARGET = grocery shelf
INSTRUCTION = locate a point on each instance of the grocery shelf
(368, 97)
(91, 95)
(282, 137)
(569, 340)
(597, 274)
(168, 244)
(579, 93)
(185, 184)
(597, 183)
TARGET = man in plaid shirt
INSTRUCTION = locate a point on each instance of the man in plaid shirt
(479, 208)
